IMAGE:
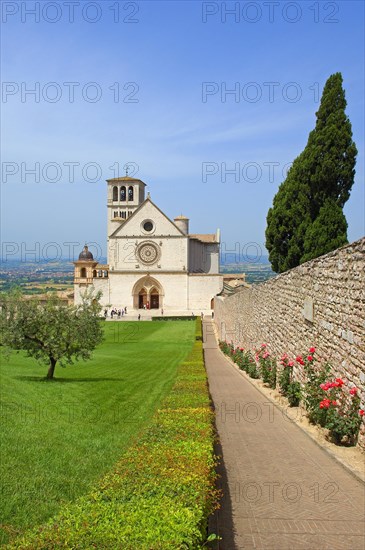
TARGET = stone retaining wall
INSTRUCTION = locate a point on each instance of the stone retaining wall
(320, 303)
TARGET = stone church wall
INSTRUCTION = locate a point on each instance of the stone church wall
(319, 303)
(203, 257)
(202, 289)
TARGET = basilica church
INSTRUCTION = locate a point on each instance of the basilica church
(153, 262)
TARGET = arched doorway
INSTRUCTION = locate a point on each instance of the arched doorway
(148, 292)
(142, 298)
(155, 298)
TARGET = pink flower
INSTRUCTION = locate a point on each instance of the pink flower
(324, 404)
(241, 349)
(299, 360)
(334, 403)
(263, 345)
(312, 350)
(291, 364)
(326, 386)
(310, 358)
(353, 391)
(340, 382)
(265, 355)
(361, 412)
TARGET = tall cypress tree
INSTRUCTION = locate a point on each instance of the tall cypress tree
(320, 179)
(331, 151)
(326, 233)
(288, 220)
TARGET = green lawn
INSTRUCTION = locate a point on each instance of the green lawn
(58, 437)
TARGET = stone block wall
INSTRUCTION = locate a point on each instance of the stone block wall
(320, 303)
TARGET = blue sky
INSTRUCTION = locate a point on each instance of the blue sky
(173, 64)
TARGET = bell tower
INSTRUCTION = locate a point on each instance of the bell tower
(124, 197)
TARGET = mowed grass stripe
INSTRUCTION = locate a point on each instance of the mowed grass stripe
(58, 437)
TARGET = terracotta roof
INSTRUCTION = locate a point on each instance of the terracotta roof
(208, 238)
(233, 276)
(228, 290)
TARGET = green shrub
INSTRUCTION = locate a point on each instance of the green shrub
(285, 379)
(199, 329)
(244, 359)
(172, 318)
(288, 386)
(266, 366)
(313, 393)
(225, 347)
(294, 394)
(245, 362)
(341, 412)
(252, 367)
(162, 491)
(249, 365)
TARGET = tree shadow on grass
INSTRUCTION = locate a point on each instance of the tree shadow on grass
(65, 380)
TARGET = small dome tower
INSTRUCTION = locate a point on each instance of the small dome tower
(85, 254)
(84, 267)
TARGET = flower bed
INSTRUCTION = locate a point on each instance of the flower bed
(160, 494)
(330, 402)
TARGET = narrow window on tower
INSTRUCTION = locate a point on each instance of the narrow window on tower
(115, 193)
(130, 193)
(122, 193)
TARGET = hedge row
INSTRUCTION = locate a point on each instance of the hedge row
(174, 318)
(160, 494)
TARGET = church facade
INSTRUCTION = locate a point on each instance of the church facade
(153, 262)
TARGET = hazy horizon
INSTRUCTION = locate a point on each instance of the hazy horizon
(207, 105)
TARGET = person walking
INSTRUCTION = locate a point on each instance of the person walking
(139, 316)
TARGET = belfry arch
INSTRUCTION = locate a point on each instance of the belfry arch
(148, 292)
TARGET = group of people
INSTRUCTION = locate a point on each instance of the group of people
(116, 313)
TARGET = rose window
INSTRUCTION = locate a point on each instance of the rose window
(148, 253)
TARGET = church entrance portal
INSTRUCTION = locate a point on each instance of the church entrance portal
(148, 294)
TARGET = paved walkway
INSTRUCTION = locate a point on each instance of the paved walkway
(281, 491)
